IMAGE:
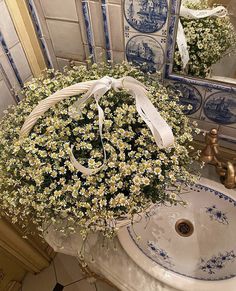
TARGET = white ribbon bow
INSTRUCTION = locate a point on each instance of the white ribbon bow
(218, 11)
(161, 131)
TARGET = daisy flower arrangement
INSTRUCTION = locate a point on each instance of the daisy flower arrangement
(38, 182)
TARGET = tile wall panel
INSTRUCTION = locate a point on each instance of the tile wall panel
(21, 62)
(12, 56)
(116, 30)
(6, 97)
(145, 30)
(100, 54)
(116, 27)
(62, 63)
(66, 39)
(6, 26)
(61, 28)
(7, 68)
(60, 9)
(97, 23)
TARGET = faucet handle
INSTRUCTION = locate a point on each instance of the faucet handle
(210, 152)
(212, 137)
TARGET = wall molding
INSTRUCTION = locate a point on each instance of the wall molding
(31, 257)
(25, 29)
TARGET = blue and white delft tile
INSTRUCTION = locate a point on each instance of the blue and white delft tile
(41, 28)
(220, 107)
(88, 27)
(145, 51)
(175, 7)
(106, 29)
(6, 97)
(171, 35)
(217, 215)
(148, 17)
(189, 95)
(8, 72)
(217, 263)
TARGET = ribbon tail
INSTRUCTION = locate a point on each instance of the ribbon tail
(219, 11)
(182, 45)
(98, 90)
(84, 170)
(161, 131)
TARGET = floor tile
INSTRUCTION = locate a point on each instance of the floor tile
(44, 281)
(67, 269)
(82, 285)
(58, 287)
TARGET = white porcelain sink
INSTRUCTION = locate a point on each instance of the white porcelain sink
(203, 261)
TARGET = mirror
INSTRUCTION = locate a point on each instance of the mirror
(206, 40)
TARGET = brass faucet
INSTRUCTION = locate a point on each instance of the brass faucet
(210, 154)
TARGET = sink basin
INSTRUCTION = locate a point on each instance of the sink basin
(190, 247)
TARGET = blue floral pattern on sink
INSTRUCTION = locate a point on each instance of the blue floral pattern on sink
(160, 254)
(209, 253)
(217, 262)
(146, 16)
(217, 215)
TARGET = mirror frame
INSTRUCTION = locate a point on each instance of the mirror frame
(171, 43)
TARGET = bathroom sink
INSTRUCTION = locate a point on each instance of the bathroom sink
(190, 247)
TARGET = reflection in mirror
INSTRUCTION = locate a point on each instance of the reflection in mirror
(206, 40)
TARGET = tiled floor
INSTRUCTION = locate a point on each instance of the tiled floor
(64, 274)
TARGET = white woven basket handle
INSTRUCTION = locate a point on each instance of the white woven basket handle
(161, 131)
(47, 103)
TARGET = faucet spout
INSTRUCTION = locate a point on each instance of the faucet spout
(210, 154)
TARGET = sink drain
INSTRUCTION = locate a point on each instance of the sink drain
(184, 227)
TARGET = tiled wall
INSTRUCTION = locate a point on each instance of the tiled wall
(111, 30)
(14, 67)
(147, 40)
(210, 109)
(214, 105)
(70, 30)
(76, 30)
